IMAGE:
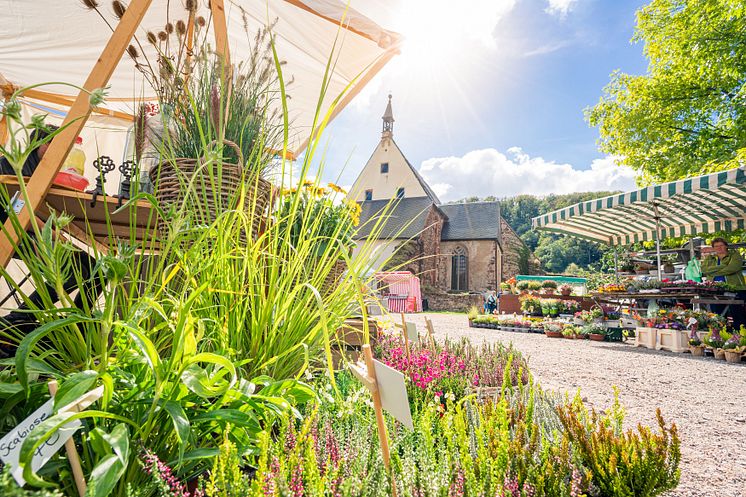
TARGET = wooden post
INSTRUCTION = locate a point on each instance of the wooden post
(76, 118)
(430, 332)
(382, 436)
(72, 453)
(404, 332)
(220, 26)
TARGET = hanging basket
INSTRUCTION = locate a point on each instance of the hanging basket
(206, 190)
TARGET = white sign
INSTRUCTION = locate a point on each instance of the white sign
(10, 444)
(393, 392)
(412, 334)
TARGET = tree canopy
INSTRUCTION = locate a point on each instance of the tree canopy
(687, 115)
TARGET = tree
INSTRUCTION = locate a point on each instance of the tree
(687, 115)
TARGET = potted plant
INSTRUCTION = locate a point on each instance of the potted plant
(549, 286)
(565, 290)
(534, 286)
(569, 331)
(732, 349)
(595, 332)
(582, 332)
(522, 286)
(505, 287)
(626, 265)
(668, 261)
(696, 347)
(473, 314)
(553, 329)
(531, 305)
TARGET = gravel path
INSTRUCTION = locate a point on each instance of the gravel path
(705, 397)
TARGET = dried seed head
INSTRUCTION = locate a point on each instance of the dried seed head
(119, 8)
(191, 5)
(180, 28)
(152, 38)
(163, 36)
(90, 4)
(132, 51)
(201, 21)
(169, 28)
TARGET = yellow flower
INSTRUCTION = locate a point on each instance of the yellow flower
(337, 188)
(308, 183)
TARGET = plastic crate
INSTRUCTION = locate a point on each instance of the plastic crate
(614, 334)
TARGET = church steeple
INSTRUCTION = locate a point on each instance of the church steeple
(388, 121)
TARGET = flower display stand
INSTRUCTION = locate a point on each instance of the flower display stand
(646, 337)
(672, 340)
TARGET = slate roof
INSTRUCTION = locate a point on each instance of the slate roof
(471, 221)
(406, 218)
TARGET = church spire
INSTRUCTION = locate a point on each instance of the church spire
(388, 121)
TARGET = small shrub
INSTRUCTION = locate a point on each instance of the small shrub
(549, 284)
(639, 463)
(534, 285)
(522, 285)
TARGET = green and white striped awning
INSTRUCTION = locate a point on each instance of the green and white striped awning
(705, 204)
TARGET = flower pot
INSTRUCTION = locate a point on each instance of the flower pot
(697, 350)
(471, 324)
(733, 356)
(566, 293)
(579, 337)
(719, 354)
(597, 337)
(553, 334)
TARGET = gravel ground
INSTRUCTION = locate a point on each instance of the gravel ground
(706, 398)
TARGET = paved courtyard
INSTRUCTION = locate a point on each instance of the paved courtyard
(706, 398)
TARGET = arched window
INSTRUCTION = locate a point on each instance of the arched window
(459, 269)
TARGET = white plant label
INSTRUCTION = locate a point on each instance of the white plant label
(412, 334)
(10, 444)
(393, 392)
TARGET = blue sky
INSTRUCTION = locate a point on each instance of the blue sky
(488, 95)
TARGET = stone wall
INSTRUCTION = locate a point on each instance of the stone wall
(430, 246)
(512, 246)
(438, 300)
(482, 274)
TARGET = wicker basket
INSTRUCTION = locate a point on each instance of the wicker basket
(719, 354)
(211, 192)
(733, 356)
(332, 279)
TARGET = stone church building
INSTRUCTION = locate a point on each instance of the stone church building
(461, 247)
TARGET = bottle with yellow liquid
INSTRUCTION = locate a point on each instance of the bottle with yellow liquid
(73, 170)
(75, 161)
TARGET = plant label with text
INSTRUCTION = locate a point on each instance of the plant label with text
(10, 444)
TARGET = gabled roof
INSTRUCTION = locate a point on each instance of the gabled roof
(406, 217)
(471, 221)
(429, 191)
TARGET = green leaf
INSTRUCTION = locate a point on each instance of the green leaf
(235, 417)
(27, 344)
(180, 421)
(74, 387)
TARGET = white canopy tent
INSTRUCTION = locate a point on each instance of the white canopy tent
(328, 49)
(60, 40)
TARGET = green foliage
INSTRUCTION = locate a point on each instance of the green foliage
(9, 487)
(624, 464)
(549, 284)
(227, 478)
(687, 115)
(522, 285)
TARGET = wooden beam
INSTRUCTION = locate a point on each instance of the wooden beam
(76, 118)
(68, 101)
(220, 27)
(358, 86)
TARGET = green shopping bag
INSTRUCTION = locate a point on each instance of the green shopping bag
(693, 271)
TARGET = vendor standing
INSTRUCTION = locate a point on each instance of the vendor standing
(727, 266)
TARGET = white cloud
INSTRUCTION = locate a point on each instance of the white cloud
(487, 172)
(560, 7)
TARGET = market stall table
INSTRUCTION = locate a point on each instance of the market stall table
(104, 220)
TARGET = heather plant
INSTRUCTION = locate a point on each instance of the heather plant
(453, 367)
(630, 463)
